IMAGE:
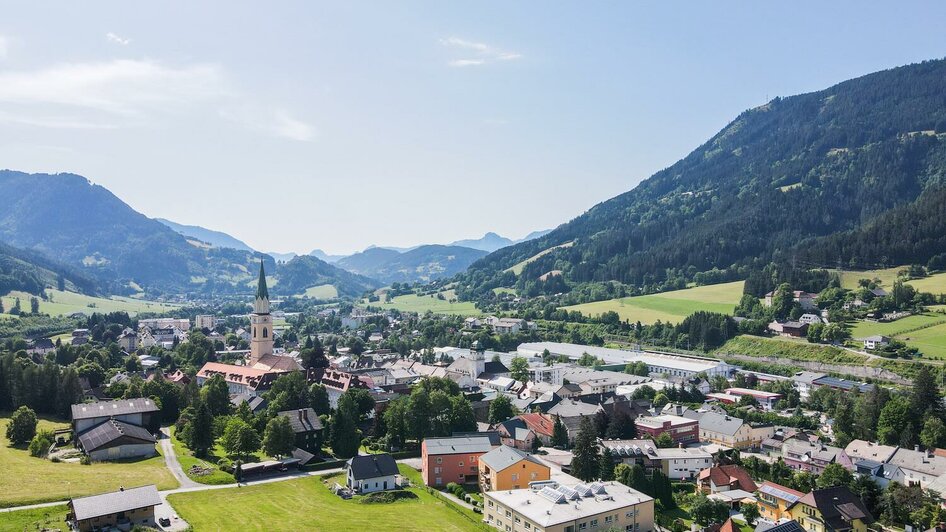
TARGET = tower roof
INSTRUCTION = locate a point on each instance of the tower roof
(261, 291)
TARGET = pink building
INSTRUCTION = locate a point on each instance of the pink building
(456, 459)
(681, 429)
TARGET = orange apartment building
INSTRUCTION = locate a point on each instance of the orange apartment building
(454, 459)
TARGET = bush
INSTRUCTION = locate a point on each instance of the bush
(388, 496)
(225, 465)
(22, 426)
(40, 443)
(85, 460)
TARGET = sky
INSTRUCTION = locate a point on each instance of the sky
(340, 125)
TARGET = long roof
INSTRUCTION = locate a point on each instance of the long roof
(552, 506)
(620, 356)
(117, 501)
(504, 456)
(303, 420)
(458, 445)
(103, 434)
(716, 422)
(113, 408)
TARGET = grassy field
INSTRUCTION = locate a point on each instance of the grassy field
(788, 349)
(517, 268)
(28, 480)
(931, 341)
(935, 283)
(669, 306)
(61, 303)
(421, 304)
(322, 291)
(314, 507)
(926, 332)
(53, 517)
(188, 460)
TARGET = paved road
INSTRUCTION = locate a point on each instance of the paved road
(172, 463)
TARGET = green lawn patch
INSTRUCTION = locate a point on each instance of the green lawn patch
(931, 341)
(421, 304)
(28, 480)
(788, 349)
(322, 291)
(59, 303)
(893, 328)
(52, 517)
(307, 504)
(188, 460)
(670, 307)
(517, 268)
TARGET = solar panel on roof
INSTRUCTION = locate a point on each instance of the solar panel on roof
(569, 493)
(583, 490)
(597, 488)
(552, 494)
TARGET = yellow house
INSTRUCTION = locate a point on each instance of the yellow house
(774, 500)
(831, 510)
(508, 468)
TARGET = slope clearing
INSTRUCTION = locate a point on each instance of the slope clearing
(670, 307)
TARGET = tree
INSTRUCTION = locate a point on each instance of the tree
(802, 481)
(894, 420)
(16, 310)
(606, 465)
(200, 430)
(637, 368)
(706, 511)
(664, 441)
(462, 418)
(662, 489)
(601, 422)
(22, 426)
(585, 461)
(279, 438)
(925, 394)
(834, 475)
(559, 433)
(239, 438)
(750, 512)
(345, 437)
(500, 409)
(782, 301)
(933, 435)
(361, 401)
(34, 305)
(216, 395)
(519, 369)
(661, 400)
(318, 399)
(621, 427)
(40, 443)
(69, 393)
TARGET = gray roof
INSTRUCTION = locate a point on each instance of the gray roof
(504, 456)
(458, 445)
(720, 423)
(118, 501)
(372, 466)
(570, 408)
(113, 408)
(103, 434)
(807, 377)
(869, 450)
(919, 461)
(303, 420)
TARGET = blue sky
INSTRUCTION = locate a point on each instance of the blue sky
(339, 125)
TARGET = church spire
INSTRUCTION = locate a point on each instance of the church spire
(261, 291)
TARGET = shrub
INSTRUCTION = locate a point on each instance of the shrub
(388, 496)
(85, 460)
(40, 443)
(225, 465)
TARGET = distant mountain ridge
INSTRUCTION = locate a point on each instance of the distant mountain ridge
(421, 264)
(210, 236)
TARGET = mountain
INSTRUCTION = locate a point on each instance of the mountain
(421, 264)
(306, 271)
(533, 235)
(319, 254)
(29, 271)
(282, 257)
(214, 238)
(489, 242)
(809, 177)
(86, 227)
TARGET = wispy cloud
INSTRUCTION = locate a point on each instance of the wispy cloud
(476, 53)
(117, 39)
(4, 47)
(124, 93)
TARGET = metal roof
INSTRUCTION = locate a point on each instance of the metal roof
(113, 408)
(102, 435)
(458, 445)
(118, 501)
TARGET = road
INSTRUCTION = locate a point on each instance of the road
(172, 463)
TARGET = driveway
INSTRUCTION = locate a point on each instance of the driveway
(172, 463)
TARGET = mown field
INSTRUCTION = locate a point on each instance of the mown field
(27, 480)
(788, 349)
(935, 283)
(51, 518)
(322, 291)
(926, 332)
(517, 268)
(670, 307)
(421, 304)
(61, 303)
(314, 507)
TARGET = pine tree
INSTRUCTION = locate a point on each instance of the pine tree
(585, 461)
(926, 396)
(559, 434)
(200, 432)
(606, 465)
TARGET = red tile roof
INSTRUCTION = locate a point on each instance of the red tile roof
(729, 475)
(538, 423)
(729, 526)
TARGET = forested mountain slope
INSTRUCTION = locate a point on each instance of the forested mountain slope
(420, 264)
(765, 188)
(29, 271)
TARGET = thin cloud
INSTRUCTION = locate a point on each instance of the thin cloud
(476, 53)
(4, 47)
(117, 39)
(123, 93)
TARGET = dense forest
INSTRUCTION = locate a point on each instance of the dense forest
(29, 271)
(830, 164)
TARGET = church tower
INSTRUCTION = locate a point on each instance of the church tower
(478, 357)
(261, 323)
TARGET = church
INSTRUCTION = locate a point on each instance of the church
(263, 365)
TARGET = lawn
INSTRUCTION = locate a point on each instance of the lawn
(421, 304)
(61, 303)
(53, 517)
(893, 328)
(935, 283)
(931, 341)
(322, 291)
(517, 268)
(314, 507)
(788, 349)
(669, 306)
(28, 480)
(188, 460)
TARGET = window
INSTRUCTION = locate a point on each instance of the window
(518, 520)
(528, 526)
(490, 503)
(508, 513)
(438, 481)
(254, 332)
(582, 526)
(515, 477)
(460, 464)
(439, 460)
(532, 476)
(265, 333)
(594, 523)
(437, 470)
(608, 519)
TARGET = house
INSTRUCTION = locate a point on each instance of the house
(446, 460)
(573, 508)
(804, 299)
(843, 385)
(642, 452)
(565, 391)
(570, 412)
(132, 411)
(516, 433)
(507, 468)
(834, 509)
(804, 383)
(789, 329)
(681, 430)
(542, 425)
(41, 346)
(336, 382)
(876, 341)
(913, 467)
(124, 508)
(775, 499)
(371, 473)
(659, 363)
(767, 400)
(725, 478)
(256, 403)
(868, 450)
(239, 379)
(128, 340)
(733, 432)
(683, 463)
(307, 426)
(813, 457)
(809, 318)
(115, 440)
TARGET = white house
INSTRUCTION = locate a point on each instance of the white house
(873, 342)
(370, 473)
(809, 318)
